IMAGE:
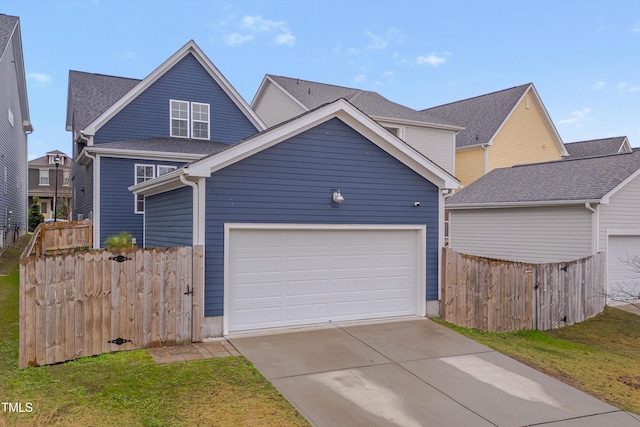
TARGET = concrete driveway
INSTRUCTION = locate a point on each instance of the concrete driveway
(414, 373)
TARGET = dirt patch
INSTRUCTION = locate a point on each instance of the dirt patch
(632, 382)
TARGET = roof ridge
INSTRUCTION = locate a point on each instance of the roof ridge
(299, 80)
(575, 159)
(476, 97)
(103, 75)
(596, 139)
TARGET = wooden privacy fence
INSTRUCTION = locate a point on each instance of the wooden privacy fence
(98, 301)
(496, 295)
(60, 237)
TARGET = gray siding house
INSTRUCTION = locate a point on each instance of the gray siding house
(554, 212)
(15, 125)
(126, 131)
(327, 217)
(282, 98)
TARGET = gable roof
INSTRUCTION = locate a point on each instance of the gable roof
(89, 95)
(483, 116)
(44, 160)
(340, 109)
(123, 100)
(310, 95)
(587, 180)
(10, 36)
(598, 147)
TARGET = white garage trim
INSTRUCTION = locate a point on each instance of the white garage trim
(420, 254)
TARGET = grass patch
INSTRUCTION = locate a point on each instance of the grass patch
(128, 388)
(600, 356)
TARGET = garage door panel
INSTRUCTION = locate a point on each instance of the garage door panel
(318, 276)
(623, 281)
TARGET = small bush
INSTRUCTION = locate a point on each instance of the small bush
(119, 241)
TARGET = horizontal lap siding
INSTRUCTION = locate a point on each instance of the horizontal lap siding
(622, 212)
(292, 181)
(82, 190)
(437, 145)
(116, 201)
(148, 115)
(522, 234)
(169, 218)
(276, 106)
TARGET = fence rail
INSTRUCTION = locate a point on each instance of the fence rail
(60, 237)
(496, 295)
(97, 301)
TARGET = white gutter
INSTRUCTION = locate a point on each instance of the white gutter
(498, 205)
(595, 229)
(96, 200)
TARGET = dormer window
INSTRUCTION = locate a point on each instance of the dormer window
(52, 159)
(189, 120)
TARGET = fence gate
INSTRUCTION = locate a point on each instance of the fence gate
(99, 301)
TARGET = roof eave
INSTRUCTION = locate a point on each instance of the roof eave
(161, 184)
(418, 123)
(145, 154)
(521, 204)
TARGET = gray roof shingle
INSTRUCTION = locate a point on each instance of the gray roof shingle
(595, 147)
(563, 180)
(92, 94)
(481, 116)
(313, 95)
(7, 25)
(167, 145)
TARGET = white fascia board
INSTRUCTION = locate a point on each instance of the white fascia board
(393, 120)
(141, 154)
(625, 147)
(522, 204)
(161, 184)
(192, 48)
(474, 146)
(351, 116)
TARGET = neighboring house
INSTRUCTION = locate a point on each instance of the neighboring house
(126, 131)
(598, 147)
(15, 125)
(42, 183)
(501, 129)
(281, 98)
(553, 212)
(327, 217)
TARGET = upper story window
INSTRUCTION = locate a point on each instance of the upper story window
(52, 160)
(162, 169)
(44, 177)
(66, 178)
(143, 173)
(189, 119)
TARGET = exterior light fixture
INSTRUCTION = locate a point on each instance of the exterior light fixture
(337, 197)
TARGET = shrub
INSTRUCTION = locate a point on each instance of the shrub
(35, 215)
(119, 241)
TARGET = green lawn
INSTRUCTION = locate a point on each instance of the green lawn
(600, 356)
(128, 388)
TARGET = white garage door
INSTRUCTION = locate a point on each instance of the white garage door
(288, 277)
(622, 279)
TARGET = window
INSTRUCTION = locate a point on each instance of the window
(143, 173)
(180, 119)
(43, 207)
(66, 178)
(200, 117)
(52, 160)
(189, 120)
(44, 177)
(165, 169)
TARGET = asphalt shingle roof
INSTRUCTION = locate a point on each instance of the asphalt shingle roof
(7, 25)
(44, 160)
(481, 116)
(92, 94)
(594, 147)
(168, 145)
(563, 180)
(313, 95)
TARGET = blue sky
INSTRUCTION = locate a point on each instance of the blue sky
(582, 56)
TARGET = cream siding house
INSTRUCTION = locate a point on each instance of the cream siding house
(502, 129)
(282, 98)
(554, 212)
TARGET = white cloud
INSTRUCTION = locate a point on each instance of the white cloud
(624, 87)
(598, 85)
(236, 39)
(388, 74)
(577, 118)
(378, 42)
(433, 59)
(375, 42)
(40, 78)
(360, 78)
(254, 25)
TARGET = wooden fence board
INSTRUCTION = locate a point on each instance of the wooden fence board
(501, 295)
(73, 304)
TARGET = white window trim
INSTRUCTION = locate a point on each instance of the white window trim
(169, 167)
(135, 181)
(66, 175)
(41, 171)
(171, 118)
(201, 121)
(190, 121)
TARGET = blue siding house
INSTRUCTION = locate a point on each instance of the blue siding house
(126, 131)
(327, 217)
(15, 125)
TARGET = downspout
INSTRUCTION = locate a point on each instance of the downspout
(195, 208)
(95, 203)
(595, 238)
